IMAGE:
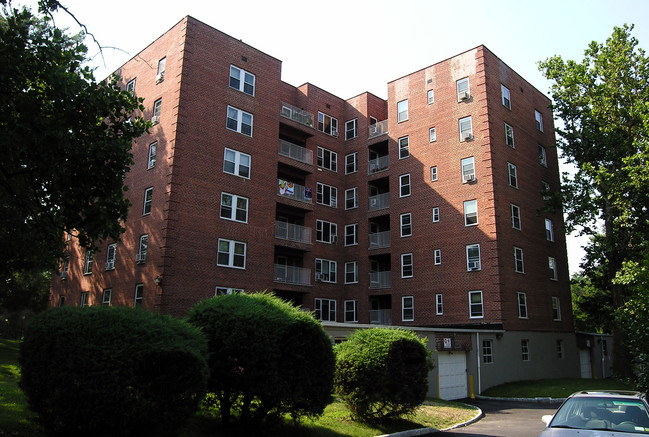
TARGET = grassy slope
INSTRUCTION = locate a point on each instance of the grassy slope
(555, 388)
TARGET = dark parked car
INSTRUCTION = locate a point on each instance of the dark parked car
(606, 413)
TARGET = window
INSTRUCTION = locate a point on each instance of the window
(522, 305)
(234, 207)
(148, 198)
(439, 304)
(525, 350)
(513, 177)
(505, 95)
(407, 309)
(65, 268)
(404, 149)
(406, 265)
(549, 231)
(433, 173)
(162, 66)
(239, 121)
(516, 216)
(325, 270)
(85, 299)
(139, 296)
(351, 198)
(475, 305)
(153, 148)
(327, 124)
(406, 224)
(559, 348)
(130, 86)
(463, 92)
(351, 234)
(351, 272)
(351, 129)
(473, 257)
(88, 262)
(326, 232)
(543, 156)
(402, 111)
(468, 169)
(242, 80)
(430, 96)
(539, 120)
(546, 191)
(509, 135)
(157, 108)
(223, 291)
(231, 254)
(326, 195)
(437, 257)
(106, 297)
(140, 257)
(325, 310)
(470, 213)
(404, 185)
(236, 163)
(435, 214)
(518, 260)
(327, 159)
(61, 301)
(432, 134)
(552, 264)
(351, 163)
(351, 311)
(487, 351)
(466, 129)
(111, 252)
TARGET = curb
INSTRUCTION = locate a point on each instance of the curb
(427, 431)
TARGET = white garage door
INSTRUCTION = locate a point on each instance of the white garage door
(452, 375)
(584, 360)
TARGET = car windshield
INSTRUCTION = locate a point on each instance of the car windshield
(603, 413)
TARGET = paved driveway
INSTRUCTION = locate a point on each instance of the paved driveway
(505, 419)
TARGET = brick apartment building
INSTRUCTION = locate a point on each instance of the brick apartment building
(424, 210)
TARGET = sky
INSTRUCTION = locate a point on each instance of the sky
(349, 47)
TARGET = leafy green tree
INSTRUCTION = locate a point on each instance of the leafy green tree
(591, 307)
(22, 295)
(602, 103)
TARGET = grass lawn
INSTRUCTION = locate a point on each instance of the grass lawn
(555, 388)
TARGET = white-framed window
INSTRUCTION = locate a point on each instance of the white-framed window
(525, 350)
(549, 230)
(326, 232)
(242, 80)
(552, 264)
(224, 291)
(543, 156)
(130, 86)
(406, 265)
(142, 249)
(433, 173)
(522, 305)
(327, 159)
(351, 311)
(559, 349)
(325, 270)
(236, 163)
(325, 309)
(88, 262)
(111, 253)
(406, 224)
(513, 175)
(468, 169)
(435, 214)
(407, 308)
(402, 111)
(432, 134)
(546, 191)
(351, 272)
(437, 257)
(106, 297)
(162, 67)
(351, 198)
(556, 309)
(85, 299)
(473, 257)
(404, 148)
(404, 185)
(463, 92)
(430, 96)
(157, 109)
(148, 199)
(234, 207)
(351, 129)
(327, 124)
(439, 304)
(539, 120)
(153, 150)
(138, 296)
(326, 195)
(507, 103)
(466, 129)
(351, 234)
(519, 267)
(509, 135)
(351, 163)
(476, 311)
(516, 216)
(487, 352)
(239, 121)
(470, 212)
(231, 254)
(65, 269)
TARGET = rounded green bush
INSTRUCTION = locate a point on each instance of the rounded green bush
(112, 371)
(382, 373)
(267, 357)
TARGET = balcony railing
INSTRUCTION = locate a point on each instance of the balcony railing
(294, 191)
(297, 114)
(292, 275)
(381, 279)
(378, 164)
(380, 201)
(379, 240)
(381, 317)
(296, 152)
(378, 129)
(292, 232)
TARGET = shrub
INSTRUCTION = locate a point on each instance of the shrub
(267, 357)
(382, 373)
(112, 371)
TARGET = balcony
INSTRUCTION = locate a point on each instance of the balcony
(378, 164)
(378, 129)
(296, 114)
(292, 275)
(292, 232)
(379, 240)
(294, 191)
(380, 201)
(381, 317)
(295, 152)
(381, 279)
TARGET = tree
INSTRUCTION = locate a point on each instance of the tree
(602, 103)
(22, 295)
(66, 142)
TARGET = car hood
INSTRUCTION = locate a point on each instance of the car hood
(563, 432)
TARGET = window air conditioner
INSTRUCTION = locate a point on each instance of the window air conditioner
(140, 258)
(160, 77)
(474, 265)
(155, 119)
(334, 132)
(110, 265)
(464, 95)
(334, 239)
(467, 136)
(318, 277)
(64, 275)
(469, 178)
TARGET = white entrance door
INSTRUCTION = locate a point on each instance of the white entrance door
(452, 375)
(584, 361)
